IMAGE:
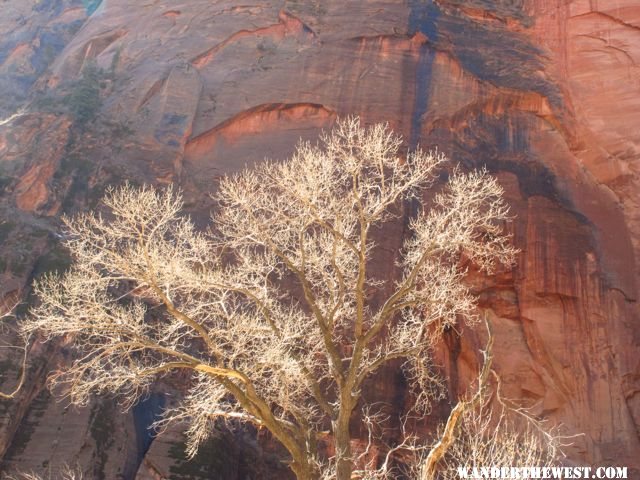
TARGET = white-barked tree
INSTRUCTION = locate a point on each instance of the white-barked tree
(274, 311)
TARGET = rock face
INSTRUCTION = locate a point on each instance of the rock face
(544, 93)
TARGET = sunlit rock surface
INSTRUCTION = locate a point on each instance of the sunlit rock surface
(544, 93)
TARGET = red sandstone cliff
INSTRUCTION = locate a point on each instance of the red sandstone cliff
(545, 93)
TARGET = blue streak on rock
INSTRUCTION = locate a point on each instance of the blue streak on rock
(422, 19)
(91, 5)
(421, 101)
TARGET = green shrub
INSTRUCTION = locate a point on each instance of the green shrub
(84, 100)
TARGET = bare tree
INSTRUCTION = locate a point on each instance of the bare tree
(495, 436)
(275, 311)
(482, 431)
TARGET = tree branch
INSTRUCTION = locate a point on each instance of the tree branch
(439, 450)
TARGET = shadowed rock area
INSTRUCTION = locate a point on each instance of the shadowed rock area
(544, 93)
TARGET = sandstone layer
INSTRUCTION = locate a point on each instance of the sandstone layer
(544, 93)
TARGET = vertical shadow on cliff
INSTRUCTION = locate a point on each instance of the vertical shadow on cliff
(145, 413)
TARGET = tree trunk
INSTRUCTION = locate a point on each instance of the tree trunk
(305, 471)
(344, 461)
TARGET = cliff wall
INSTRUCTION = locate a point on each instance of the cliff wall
(544, 93)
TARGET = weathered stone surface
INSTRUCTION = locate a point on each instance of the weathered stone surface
(33, 35)
(542, 93)
(32, 192)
